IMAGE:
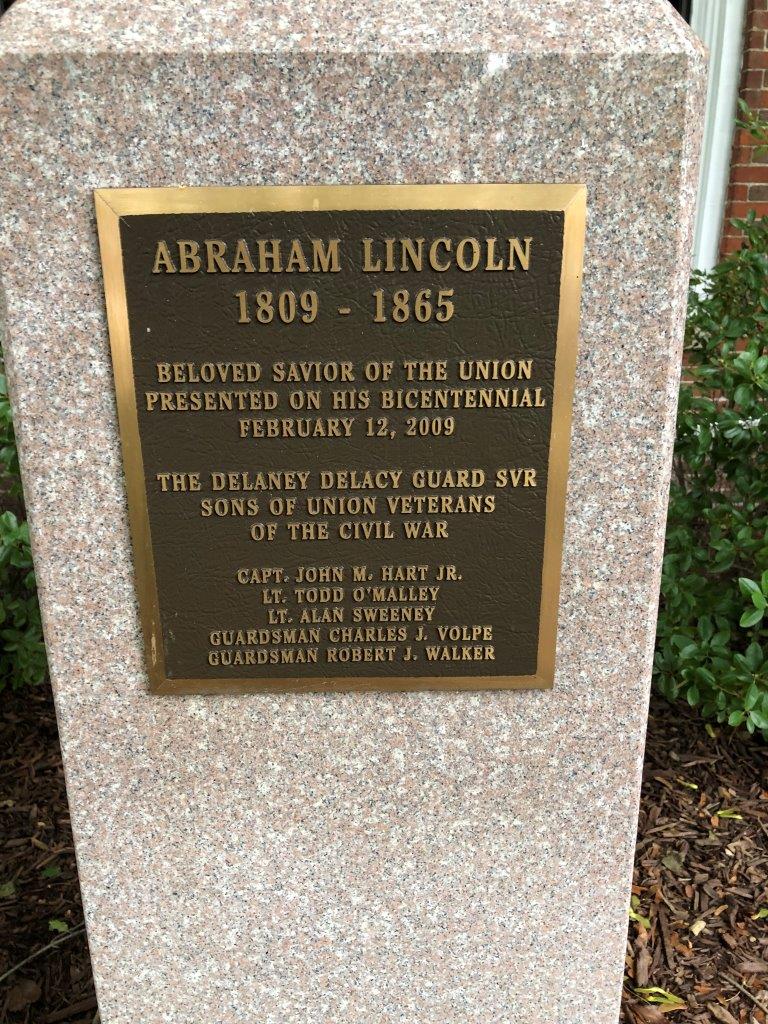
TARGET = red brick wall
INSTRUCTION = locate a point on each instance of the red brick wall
(748, 186)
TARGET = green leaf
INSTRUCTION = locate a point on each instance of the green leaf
(748, 587)
(754, 656)
(634, 915)
(55, 925)
(52, 871)
(751, 617)
(752, 696)
(7, 890)
(659, 997)
(743, 395)
(705, 627)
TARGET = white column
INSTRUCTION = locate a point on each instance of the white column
(719, 24)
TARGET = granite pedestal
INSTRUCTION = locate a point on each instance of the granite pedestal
(440, 858)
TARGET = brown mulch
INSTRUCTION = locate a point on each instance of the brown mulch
(39, 891)
(701, 876)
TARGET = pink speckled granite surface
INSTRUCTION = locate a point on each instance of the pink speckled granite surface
(430, 858)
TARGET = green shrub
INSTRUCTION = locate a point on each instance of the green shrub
(712, 641)
(22, 653)
(10, 480)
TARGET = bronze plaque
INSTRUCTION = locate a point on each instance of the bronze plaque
(345, 417)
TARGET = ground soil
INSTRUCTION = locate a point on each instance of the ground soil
(39, 891)
(701, 877)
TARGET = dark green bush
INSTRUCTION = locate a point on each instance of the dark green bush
(22, 653)
(712, 640)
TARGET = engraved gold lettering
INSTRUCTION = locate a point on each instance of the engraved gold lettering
(242, 261)
(163, 261)
(269, 255)
(189, 260)
(296, 259)
(439, 243)
(214, 256)
(325, 256)
(491, 261)
(412, 257)
(522, 255)
(369, 265)
(469, 261)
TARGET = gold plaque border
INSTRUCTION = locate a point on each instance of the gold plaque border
(114, 203)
